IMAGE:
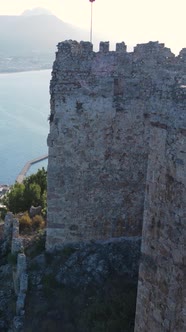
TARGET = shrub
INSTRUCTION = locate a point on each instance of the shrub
(32, 191)
(25, 223)
(38, 222)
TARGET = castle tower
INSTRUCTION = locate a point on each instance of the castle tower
(97, 155)
(117, 157)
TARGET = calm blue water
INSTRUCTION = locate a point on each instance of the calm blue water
(24, 109)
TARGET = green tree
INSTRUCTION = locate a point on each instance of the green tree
(14, 200)
(32, 195)
(31, 192)
(39, 178)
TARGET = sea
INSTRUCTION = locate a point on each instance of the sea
(24, 111)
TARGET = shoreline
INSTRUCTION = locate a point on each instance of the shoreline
(23, 71)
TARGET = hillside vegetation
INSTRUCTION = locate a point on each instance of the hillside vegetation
(32, 191)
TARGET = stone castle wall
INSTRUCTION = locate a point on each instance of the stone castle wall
(95, 179)
(161, 300)
(101, 107)
(117, 159)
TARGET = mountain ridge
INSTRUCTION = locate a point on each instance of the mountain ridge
(22, 35)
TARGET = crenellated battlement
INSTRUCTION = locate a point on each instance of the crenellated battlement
(153, 49)
(86, 47)
(182, 55)
(104, 47)
(121, 47)
(150, 50)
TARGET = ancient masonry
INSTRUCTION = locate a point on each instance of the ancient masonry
(117, 161)
(13, 240)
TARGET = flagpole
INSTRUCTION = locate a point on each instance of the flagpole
(91, 24)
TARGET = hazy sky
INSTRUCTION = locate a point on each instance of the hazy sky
(132, 21)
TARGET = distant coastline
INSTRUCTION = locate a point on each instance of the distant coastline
(24, 70)
(22, 63)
